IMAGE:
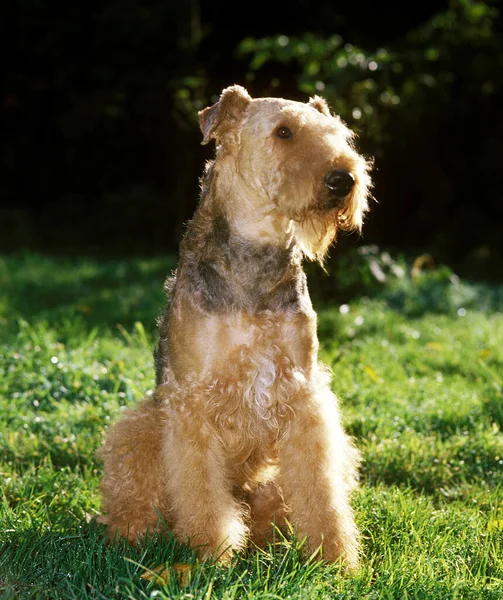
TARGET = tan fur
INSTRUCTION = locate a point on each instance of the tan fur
(243, 429)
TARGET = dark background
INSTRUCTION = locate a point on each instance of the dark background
(100, 150)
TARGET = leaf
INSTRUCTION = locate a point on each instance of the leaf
(372, 374)
(495, 525)
(419, 263)
(157, 572)
(433, 346)
(162, 573)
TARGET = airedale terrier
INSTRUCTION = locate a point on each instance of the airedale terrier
(243, 429)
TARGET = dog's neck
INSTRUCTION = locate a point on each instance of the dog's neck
(240, 253)
(248, 210)
(238, 273)
(234, 268)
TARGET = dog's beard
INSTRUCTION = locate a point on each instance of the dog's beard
(315, 231)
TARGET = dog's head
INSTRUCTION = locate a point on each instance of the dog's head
(297, 158)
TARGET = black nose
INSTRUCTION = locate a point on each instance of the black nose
(339, 182)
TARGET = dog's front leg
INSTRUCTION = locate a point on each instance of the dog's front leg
(318, 469)
(204, 511)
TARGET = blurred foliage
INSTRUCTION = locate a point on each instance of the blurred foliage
(413, 287)
(387, 92)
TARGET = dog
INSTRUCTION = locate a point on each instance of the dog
(243, 430)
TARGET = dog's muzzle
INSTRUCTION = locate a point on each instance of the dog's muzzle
(339, 183)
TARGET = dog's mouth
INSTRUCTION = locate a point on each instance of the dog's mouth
(332, 202)
(332, 208)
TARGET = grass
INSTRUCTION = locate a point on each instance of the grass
(416, 362)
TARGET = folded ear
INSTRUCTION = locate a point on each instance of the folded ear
(217, 120)
(320, 104)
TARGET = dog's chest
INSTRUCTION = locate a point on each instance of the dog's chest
(255, 409)
(262, 390)
(260, 372)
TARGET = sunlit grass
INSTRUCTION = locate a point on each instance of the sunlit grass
(421, 392)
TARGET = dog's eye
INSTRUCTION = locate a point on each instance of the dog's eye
(284, 133)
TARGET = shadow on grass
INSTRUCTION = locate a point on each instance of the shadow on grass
(459, 466)
(79, 562)
(36, 288)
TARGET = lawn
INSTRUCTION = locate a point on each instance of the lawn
(417, 363)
